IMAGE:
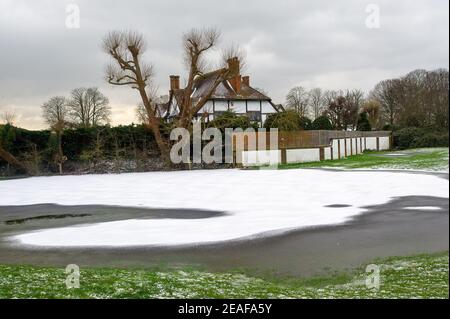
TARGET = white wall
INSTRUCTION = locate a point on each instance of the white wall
(253, 105)
(327, 153)
(263, 118)
(250, 158)
(238, 106)
(208, 107)
(360, 145)
(335, 149)
(313, 154)
(371, 143)
(303, 155)
(267, 107)
(221, 105)
(353, 146)
(384, 143)
(348, 140)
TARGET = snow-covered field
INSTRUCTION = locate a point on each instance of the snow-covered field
(257, 202)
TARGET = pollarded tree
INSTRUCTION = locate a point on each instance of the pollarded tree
(128, 69)
(56, 112)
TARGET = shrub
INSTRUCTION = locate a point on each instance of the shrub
(230, 119)
(412, 137)
(287, 121)
(405, 138)
(322, 123)
(305, 123)
(431, 140)
(363, 123)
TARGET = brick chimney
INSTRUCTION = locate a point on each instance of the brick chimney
(174, 82)
(235, 80)
(246, 80)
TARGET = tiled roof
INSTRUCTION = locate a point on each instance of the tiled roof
(224, 90)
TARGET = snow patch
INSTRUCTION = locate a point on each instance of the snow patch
(257, 202)
(423, 208)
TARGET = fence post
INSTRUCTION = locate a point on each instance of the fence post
(339, 148)
(345, 146)
(283, 156)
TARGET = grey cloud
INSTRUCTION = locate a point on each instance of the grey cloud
(311, 43)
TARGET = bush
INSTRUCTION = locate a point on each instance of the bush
(432, 140)
(363, 123)
(305, 123)
(230, 119)
(412, 137)
(405, 138)
(287, 121)
(322, 123)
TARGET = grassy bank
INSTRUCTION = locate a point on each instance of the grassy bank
(430, 159)
(422, 276)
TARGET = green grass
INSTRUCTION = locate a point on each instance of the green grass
(430, 159)
(421, 276)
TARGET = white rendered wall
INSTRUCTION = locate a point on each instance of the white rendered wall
(335, 149)
(263, 118)
(267, 107)
(349, 140)
(250, 158)
(238, 106)
(221, 105)
(371, 143)
(253, 105)
(384, 143)
(303, 155)
(360, 145)
(327, 153)
(208, 107)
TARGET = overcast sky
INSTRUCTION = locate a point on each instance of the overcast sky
(310, 43)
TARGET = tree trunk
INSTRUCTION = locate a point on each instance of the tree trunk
(162, 144)
(60, 152)
(10, 159)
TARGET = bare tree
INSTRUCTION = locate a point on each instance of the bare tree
(56, 113)
(387, 94)
(9, 117)
(336, 112)
(298, 99)
(126, 49)
(89, 107)
(354, 100)
(316, 101)
(330, 96)
(235, 51)
(196, 43)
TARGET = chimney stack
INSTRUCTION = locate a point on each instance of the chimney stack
(174, 82)
(233, 67)
(246, 80)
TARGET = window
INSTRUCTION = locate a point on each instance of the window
(254, 116)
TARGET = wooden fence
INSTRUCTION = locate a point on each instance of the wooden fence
(311, 139)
